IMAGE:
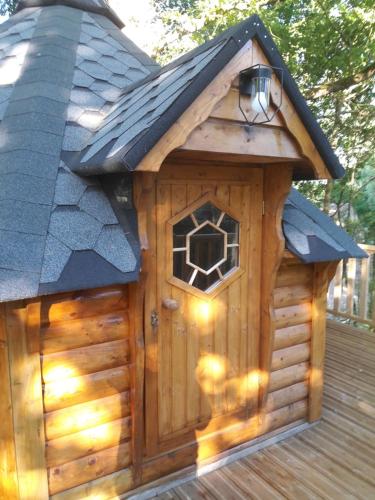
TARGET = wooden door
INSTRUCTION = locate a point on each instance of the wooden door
(205, 344)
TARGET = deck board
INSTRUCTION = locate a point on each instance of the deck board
(333, 460)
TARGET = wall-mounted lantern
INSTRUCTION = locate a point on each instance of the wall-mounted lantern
(256, 83)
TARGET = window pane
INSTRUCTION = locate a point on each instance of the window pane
(231, 262)
(231, 227)
(180, 230)
(206, 247)
(207, 212)
(204, 282)
(180, 269)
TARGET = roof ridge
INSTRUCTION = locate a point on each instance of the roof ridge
(97, 6)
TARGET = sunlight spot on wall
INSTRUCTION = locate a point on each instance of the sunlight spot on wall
(250, 381)
(62, 380)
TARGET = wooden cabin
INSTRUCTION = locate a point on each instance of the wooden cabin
(162, 288)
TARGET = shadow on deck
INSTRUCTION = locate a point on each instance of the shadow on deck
(335, 459)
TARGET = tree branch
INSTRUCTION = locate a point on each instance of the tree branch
(342, 83)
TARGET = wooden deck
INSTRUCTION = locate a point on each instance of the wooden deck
(335, 459)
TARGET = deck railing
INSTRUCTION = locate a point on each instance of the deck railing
(351, 294)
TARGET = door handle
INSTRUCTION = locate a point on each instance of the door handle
(171, 304)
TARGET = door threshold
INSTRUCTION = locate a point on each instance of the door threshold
(175, 479)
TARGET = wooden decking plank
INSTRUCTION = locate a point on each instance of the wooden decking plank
(279, 477)
(356, 349)
(353, 428)
(348, 340)
(333, 460)
(350, 390)
(357, 374)
(362, 451)
(256, 487)
(336, 454)
(322, 486)
(334, 472)
(216, 483)
(193, 489)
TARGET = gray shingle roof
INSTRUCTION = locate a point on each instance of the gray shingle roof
(61, 68)
(155, 104)
(312, 235)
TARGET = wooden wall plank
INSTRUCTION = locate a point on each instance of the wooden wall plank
(86, 415)
(292, 335)
(89, 468)
(85, 360)
(90, 387)
(289, 376)
(88, 441)
(27, 400)
(290, 356)
(83, 332)
(8, 465)
(83, 304)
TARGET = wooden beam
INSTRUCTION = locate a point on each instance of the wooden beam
(137, 343)
(294, 124)
(8, 466)
(26, 382)
(219, 136)
(277, 184)
(323, 274)
(145, 203)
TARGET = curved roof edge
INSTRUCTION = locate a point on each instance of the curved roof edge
(231, 41)
(96, 6)
(312, 235)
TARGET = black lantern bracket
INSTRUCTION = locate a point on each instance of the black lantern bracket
(246, 77)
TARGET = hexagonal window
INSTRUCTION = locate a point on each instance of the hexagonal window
(205, 247)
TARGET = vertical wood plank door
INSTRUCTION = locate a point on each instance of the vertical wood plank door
(207, 342)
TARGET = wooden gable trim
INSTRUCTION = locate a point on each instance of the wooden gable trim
(198, 112)
(260, 143)
(294, 124)
(195, 129)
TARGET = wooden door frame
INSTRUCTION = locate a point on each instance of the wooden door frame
(145, 192)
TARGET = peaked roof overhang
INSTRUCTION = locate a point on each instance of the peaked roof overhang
(108, 153)
(95, 6)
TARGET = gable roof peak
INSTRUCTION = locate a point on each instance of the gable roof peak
(97, 6)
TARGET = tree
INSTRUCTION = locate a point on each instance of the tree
(8, 6)
(329, 47)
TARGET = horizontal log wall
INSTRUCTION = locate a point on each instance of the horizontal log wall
(85, 359)
(290, 367)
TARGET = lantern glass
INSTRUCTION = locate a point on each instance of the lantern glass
(260, 93)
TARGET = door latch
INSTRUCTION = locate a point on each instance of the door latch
(154, 320)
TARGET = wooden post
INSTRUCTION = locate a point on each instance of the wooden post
(137, 343)
(145, 203)
(277, 184)
(323, 273)
(8, 467)
(26, 383)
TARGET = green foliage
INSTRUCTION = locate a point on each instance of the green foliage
(329, 47)
(8, 6)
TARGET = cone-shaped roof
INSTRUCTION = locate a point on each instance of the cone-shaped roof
(95, 6)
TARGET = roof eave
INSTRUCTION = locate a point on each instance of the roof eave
(249, 29)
